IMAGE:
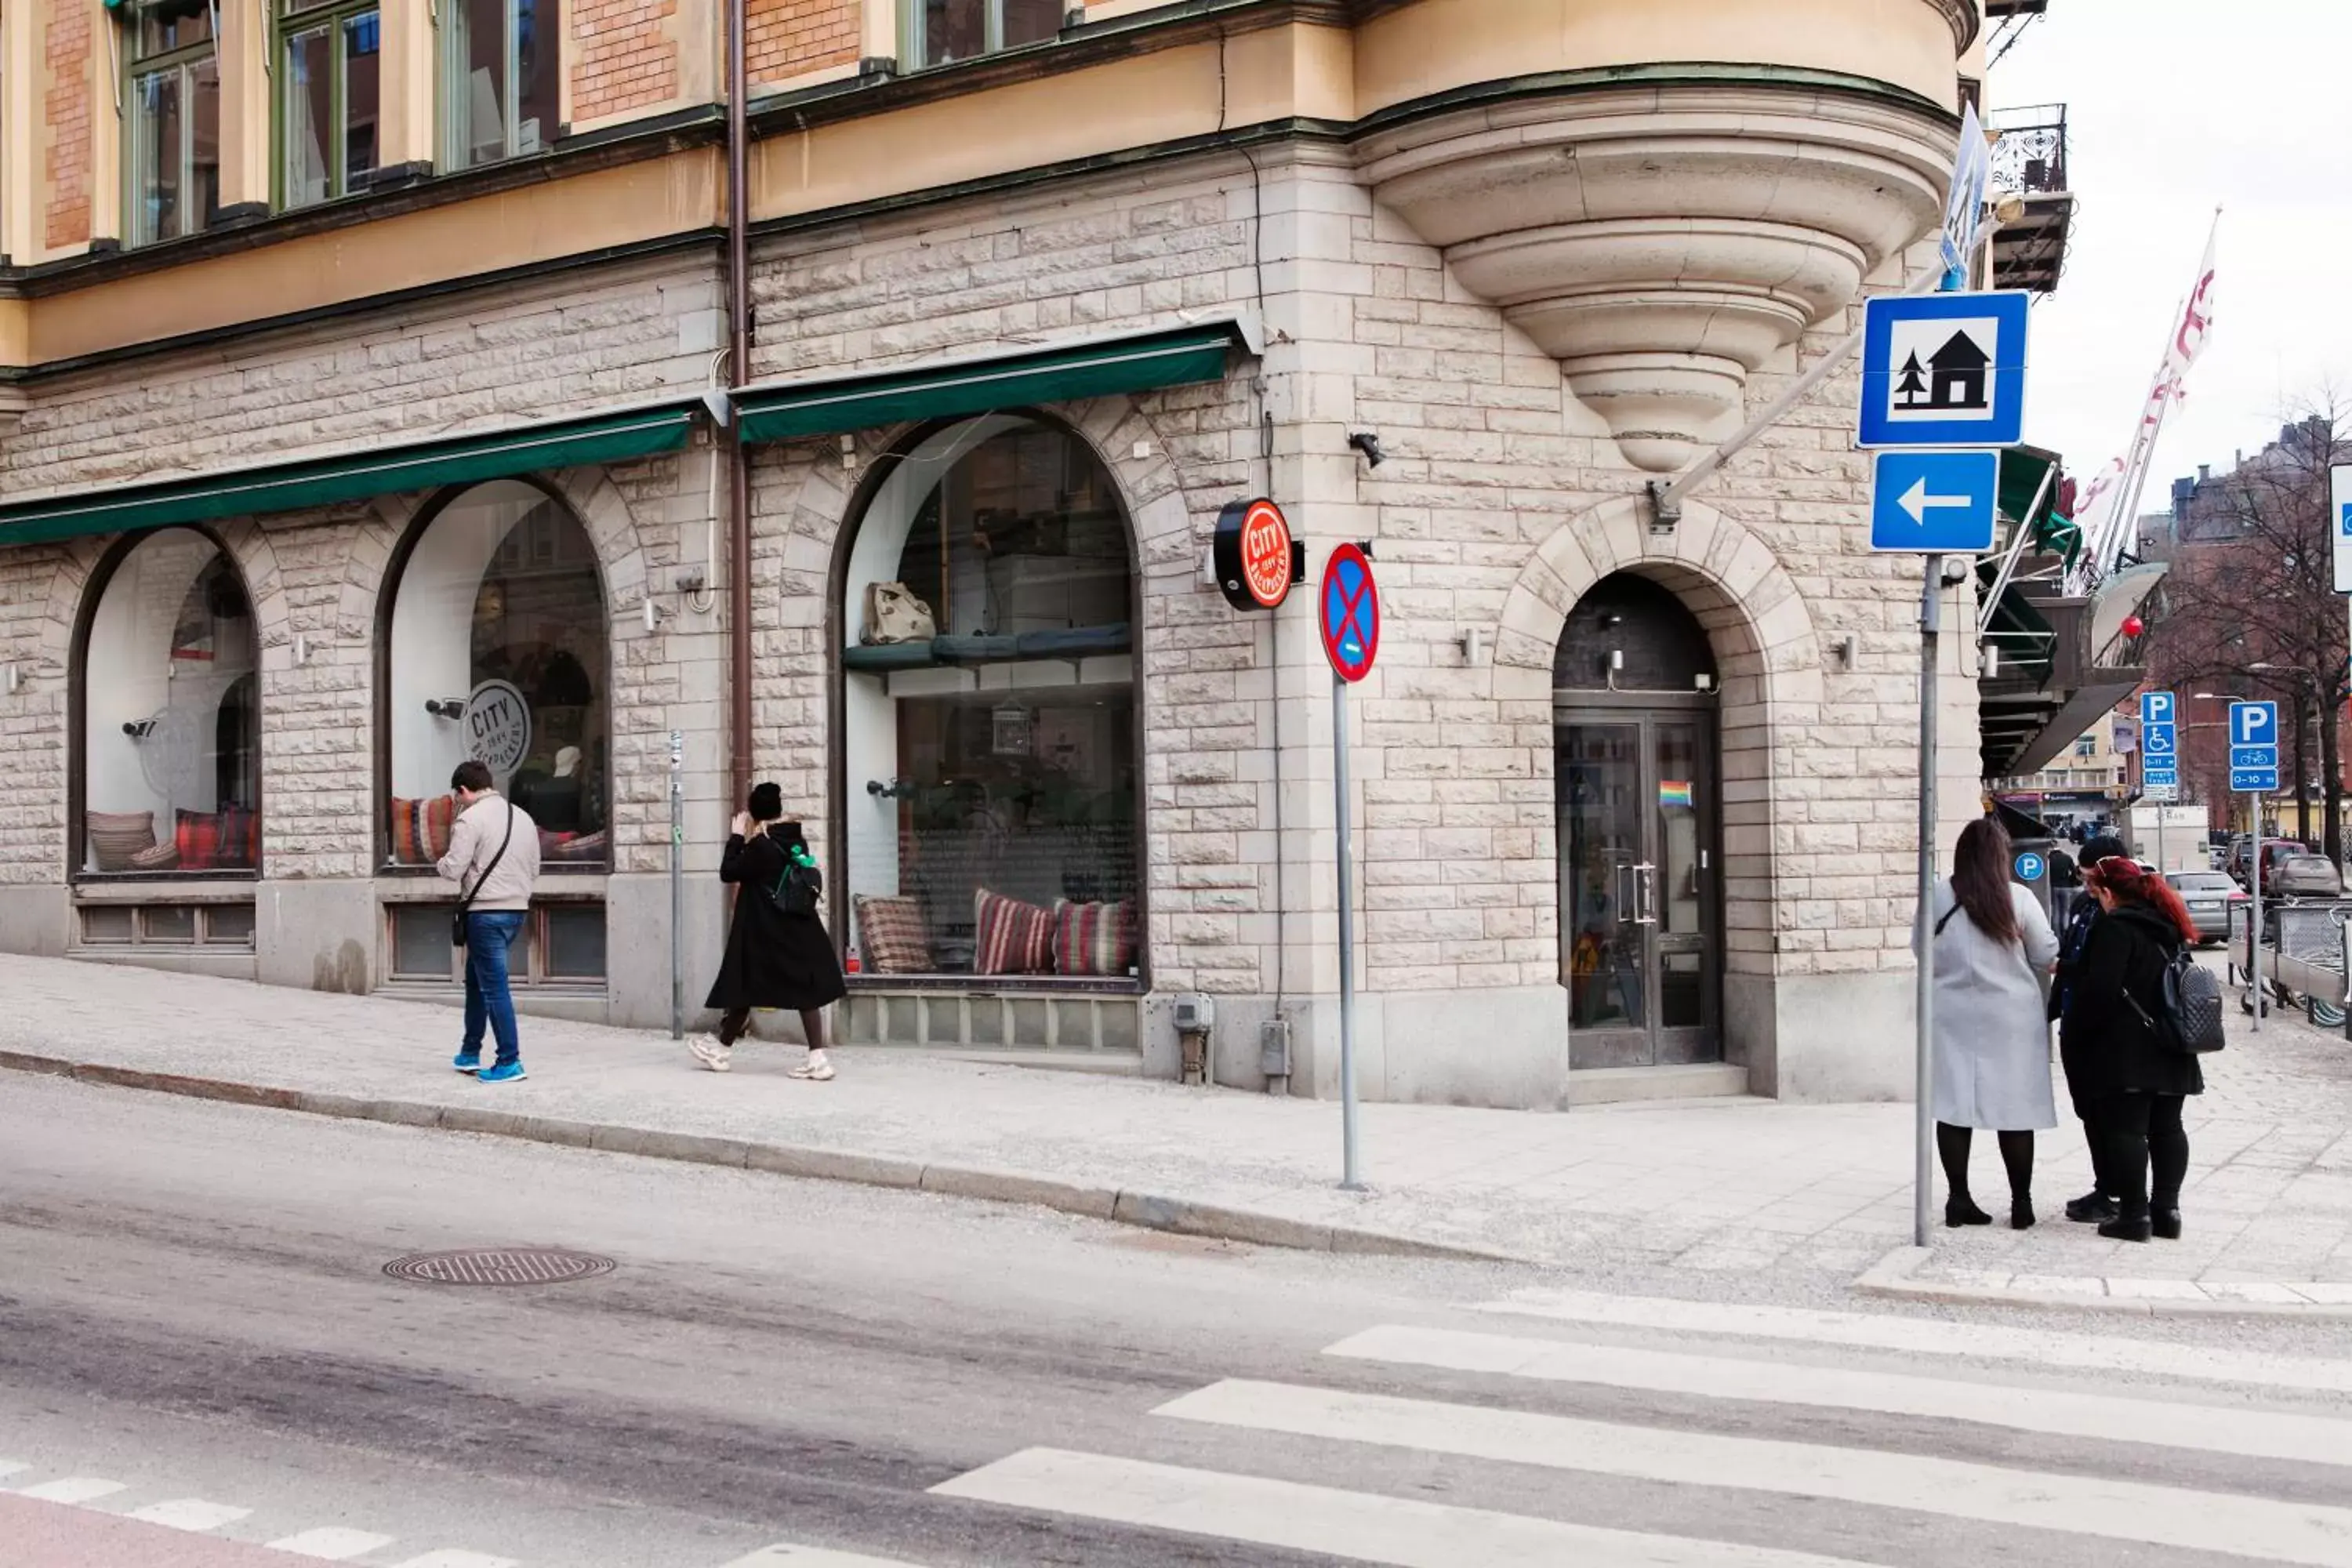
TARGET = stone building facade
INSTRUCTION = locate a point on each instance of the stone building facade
(1632, 798)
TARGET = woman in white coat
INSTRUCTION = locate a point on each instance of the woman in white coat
(1992, 945)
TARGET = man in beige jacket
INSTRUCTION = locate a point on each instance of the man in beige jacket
(494, 859)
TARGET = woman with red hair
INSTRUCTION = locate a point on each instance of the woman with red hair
(2131, 1084)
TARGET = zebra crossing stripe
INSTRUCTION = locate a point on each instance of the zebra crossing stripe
(456, 1560)
(332, 1543)
(12, 1466)
(2177, 1519)
(1925, 1336)
(190, 1514)
(73, 1490)
(2255, 1433)
(790, 1556)
(1360, 1527)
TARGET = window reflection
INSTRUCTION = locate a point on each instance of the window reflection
(990, 735)
(172, 729)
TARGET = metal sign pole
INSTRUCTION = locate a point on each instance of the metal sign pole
(2255, 937)
(677, 883)
(1351, 1174)
(1924, 1130)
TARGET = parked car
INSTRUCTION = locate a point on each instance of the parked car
(2210, 895)
(2305, 877)
(2274, 852)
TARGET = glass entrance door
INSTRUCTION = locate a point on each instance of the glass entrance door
(1641, 937)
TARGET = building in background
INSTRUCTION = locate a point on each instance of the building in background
(357, 364)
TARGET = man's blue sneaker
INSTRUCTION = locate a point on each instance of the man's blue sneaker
(505, 1072)
(469, 1061)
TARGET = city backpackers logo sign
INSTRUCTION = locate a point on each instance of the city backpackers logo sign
(1254, 557)
(497, 727)
(1944, 370)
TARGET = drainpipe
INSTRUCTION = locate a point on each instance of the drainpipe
(739, 371)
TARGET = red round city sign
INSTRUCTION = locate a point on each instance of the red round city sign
(1252, 555)
(1348, 613)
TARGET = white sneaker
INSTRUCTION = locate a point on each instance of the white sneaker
(711, 1052)
(816, 1069)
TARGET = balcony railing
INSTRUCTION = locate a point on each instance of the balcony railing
(2000, 10)
(2031, 156)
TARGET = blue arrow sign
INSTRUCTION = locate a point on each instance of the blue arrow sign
(1934, 503)
(1943, 370)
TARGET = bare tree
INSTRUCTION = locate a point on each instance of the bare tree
(2250, 600)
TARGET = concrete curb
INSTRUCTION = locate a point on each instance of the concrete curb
(1891, 1277)
(1147, 1211)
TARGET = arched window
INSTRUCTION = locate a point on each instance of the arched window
(171, 740)
(1631, 634)
(988, 711)
(497, 649)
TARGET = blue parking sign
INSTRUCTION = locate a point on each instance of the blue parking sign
(2253, 747)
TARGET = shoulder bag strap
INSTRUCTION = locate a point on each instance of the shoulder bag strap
(467, 901)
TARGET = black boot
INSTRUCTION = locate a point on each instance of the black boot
(2131, 1223)
(2091, 1208)
(2021, 1211)
(1960, 1209)
(2165, 1222)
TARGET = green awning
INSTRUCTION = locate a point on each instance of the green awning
(609, 436)
(780, 411)
(2021, 469)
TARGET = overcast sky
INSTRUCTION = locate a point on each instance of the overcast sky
(2174, 106)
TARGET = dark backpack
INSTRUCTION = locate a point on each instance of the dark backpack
(2187, 1019)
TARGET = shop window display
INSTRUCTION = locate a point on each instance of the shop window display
(171, 763)
(989, 711)
(499, 651)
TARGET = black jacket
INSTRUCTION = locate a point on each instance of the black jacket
(2108, 1049)
(773, 959)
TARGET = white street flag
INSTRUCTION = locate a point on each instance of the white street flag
(2129, 477)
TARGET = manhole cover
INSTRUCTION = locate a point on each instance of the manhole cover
(498, 1266)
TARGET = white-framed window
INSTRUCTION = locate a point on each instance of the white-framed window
(171, 108)
(169, 668)
(497, 649)
(941, 32)
(499, 78)
(989, 751)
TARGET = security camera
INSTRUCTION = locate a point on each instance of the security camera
(1369, 444)
(1957, 569)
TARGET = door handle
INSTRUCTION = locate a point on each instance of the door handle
(1645, 894)
(1628, 892)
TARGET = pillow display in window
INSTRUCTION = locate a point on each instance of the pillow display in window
(115, 836)
(157, 857)
(1094, 939)
(892, 936)
(421, 829)
(1010, 937)
(228, 839)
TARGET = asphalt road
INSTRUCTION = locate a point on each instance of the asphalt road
(195, 1329)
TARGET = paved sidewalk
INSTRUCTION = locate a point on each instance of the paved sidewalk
(1712, 1185)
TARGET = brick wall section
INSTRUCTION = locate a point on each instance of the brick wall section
(1489, 457)
(785, 39)
(549, 350)
(65, 110)
(623, 56)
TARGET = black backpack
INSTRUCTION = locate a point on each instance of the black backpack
(2189, 1008)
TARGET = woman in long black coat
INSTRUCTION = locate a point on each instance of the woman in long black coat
(2131, 1086)
(773, 959)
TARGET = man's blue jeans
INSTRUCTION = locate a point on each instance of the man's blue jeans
(489, 934)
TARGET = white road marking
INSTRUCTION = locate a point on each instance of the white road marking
(190, 1513)
(73, 1489)
(333, 1543)
(2176, 1519)
(1361, 1527)
(790, 1556)
(456, 1560)
(2259, 1434)
(1927, 1336)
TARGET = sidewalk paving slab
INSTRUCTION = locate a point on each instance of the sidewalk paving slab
(1711, 1186)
